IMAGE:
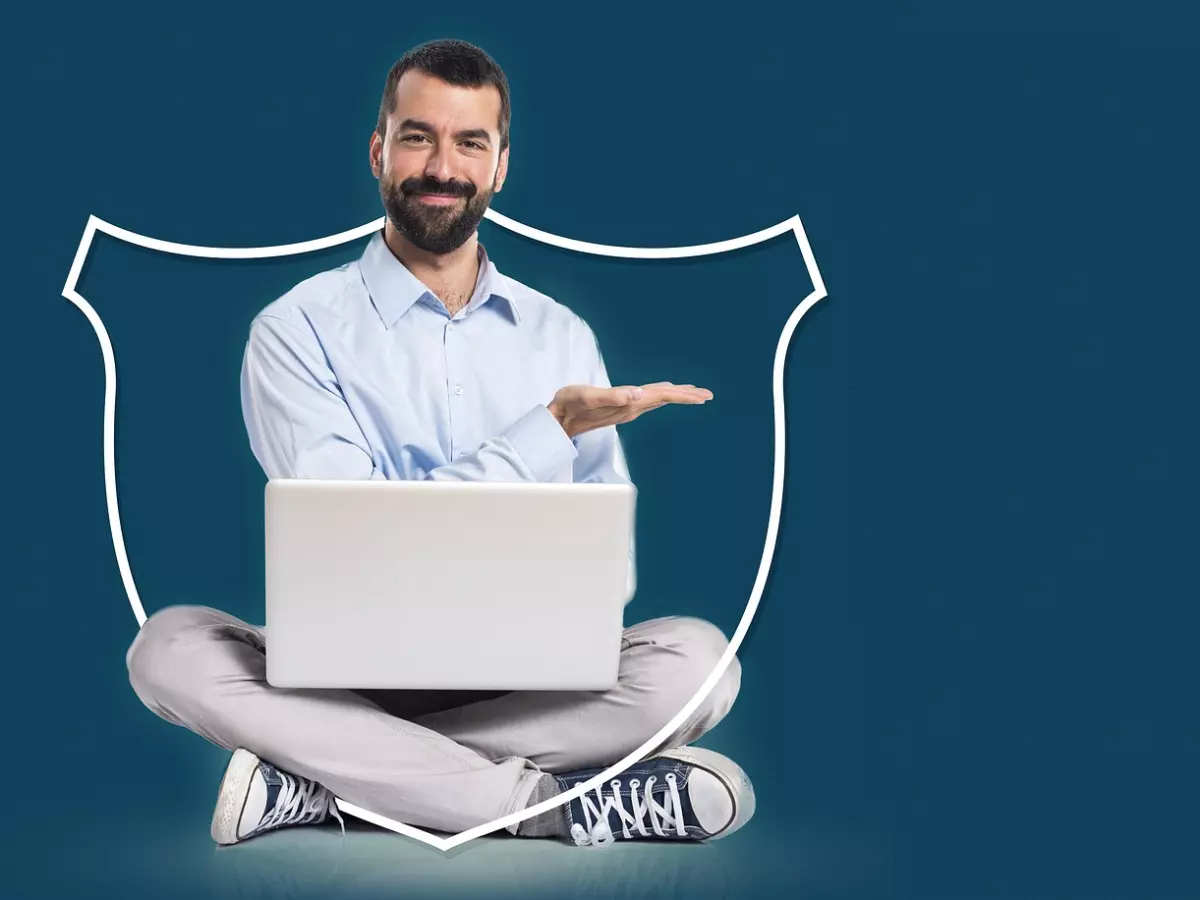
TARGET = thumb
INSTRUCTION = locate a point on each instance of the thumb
(630, 394)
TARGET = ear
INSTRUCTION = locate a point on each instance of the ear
(375, 154)
(501, 169)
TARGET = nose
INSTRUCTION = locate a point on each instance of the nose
(439, 163)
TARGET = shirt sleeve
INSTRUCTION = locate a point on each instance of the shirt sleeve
(300, 425)
(601, 457)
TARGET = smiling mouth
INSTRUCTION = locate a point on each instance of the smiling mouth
(438, 199)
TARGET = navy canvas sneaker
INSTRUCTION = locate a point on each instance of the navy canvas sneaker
(256, 797)
(684, 794)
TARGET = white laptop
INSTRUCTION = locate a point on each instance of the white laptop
(446, 585)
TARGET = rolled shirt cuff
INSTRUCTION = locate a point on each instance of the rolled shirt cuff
(541, 443)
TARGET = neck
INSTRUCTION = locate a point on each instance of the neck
(449, 275)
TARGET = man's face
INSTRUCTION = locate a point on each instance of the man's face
(439, 163)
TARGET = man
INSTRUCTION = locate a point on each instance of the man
(422, 361)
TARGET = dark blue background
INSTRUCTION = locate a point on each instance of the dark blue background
(973, 671)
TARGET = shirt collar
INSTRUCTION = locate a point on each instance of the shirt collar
(394, 289)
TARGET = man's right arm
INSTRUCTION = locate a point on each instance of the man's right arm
(300, 425)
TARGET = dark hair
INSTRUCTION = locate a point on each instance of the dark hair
(454, 62)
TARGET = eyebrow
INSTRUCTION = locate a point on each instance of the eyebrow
(418, 125)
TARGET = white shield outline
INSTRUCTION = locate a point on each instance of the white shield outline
(793, 224)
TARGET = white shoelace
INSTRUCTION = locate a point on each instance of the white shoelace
(595, 830)
(300, 801)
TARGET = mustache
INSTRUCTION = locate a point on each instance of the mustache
(429, 185)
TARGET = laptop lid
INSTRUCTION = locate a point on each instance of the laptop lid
(446, 585)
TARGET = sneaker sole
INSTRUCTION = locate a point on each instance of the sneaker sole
(231, 797)
(741, 791)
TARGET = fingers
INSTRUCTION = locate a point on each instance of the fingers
(629, 394)
(670, 384)
(653, 396)
(601, 398)
(674, 393)
(677, 393)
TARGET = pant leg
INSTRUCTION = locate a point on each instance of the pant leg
(206, 670)
(663, 663)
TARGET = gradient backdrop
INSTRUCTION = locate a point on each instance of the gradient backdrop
(973, 670)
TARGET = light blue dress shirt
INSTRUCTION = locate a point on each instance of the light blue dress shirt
(360, 372)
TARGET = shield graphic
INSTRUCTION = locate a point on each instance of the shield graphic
(803, 303)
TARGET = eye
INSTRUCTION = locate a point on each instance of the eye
(475, 145)
(412, 137)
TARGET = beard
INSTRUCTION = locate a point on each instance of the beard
(435, 229)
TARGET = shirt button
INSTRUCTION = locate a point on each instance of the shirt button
(458, 389)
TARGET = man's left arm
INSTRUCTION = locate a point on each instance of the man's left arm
(601, 458)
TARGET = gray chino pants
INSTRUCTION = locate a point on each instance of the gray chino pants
(444, 761)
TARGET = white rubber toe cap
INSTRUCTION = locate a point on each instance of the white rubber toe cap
(721, 794)
(234, 796)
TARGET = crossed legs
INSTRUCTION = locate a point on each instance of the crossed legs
(443, 761)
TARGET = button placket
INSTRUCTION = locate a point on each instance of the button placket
(447, 357)
(454, 386)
